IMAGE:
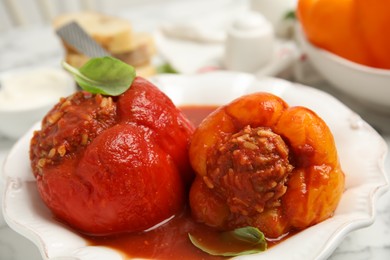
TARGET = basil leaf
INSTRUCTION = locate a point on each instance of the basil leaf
(106, 75)
(290, 15)
(241, 241)
(166, 68)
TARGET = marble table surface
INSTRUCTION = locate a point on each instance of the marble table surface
(25, 47)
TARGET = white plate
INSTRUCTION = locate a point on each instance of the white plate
(362, 152)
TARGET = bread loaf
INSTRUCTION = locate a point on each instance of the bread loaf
(115, 35)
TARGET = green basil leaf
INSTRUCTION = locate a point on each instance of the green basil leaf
(241, 241)
(290, 15)
(106, 75)
(166, 68)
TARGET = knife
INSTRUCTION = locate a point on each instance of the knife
(74, 35)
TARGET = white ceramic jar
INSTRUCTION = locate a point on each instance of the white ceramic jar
(249, 43)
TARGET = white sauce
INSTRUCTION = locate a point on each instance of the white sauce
(31, 88)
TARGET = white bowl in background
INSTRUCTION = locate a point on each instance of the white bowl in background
(368, 85)
(27, 94)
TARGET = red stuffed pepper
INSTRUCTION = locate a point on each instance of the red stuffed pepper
(108, 165)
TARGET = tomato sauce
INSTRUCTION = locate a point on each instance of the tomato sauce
(196, 114)
(169, 240)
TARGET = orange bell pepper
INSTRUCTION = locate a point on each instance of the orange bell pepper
(353, 29)
(261, 163)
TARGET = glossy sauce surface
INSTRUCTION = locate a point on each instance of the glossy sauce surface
(197, 113)
(169, 240)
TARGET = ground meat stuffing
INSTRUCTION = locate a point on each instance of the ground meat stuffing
(70, 126)
(249, 169)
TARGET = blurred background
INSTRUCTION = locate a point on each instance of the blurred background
(15, 13)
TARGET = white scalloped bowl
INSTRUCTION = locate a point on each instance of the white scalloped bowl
(367, 85)
(361, 150)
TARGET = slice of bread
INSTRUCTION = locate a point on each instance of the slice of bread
(145, 69)
(146, 40)
(142, 52)
(76, 59)
(138, 57)
(114, 34)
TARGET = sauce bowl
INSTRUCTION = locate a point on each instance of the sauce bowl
(27, 94)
